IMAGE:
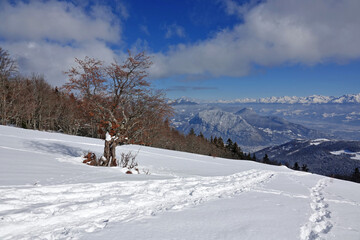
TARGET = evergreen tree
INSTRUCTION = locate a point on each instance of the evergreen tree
(192, 132)
(201, 135)
(229, 144)
(235, 149)
(296, 166)
(266, 159)
(254, 157)
(304, 168)
(220, 142)
(356, 175)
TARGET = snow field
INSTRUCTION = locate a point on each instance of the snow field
(47, 193)
(65, 211)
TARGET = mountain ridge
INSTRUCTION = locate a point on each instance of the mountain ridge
(313, 99)
(250, 130)
(322, 156)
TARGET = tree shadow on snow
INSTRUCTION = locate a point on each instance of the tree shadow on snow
(56, 148)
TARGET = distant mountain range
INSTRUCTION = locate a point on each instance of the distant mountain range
(182, 101)
(322, 156)
(315, 99)
(250, 130)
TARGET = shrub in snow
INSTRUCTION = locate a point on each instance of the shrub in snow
(128, 161)
(90, 159)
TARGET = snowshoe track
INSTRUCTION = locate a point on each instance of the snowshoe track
(67, 211)
(319, 222)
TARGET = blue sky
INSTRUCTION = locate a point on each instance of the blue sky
(206, 49)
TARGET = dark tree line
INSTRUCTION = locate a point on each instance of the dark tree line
(354, 177)
(172, 139)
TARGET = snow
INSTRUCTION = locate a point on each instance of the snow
(270, 132)
(47, 193)
(107, 136)
(318, 141)
(314, 99)
(354, 155)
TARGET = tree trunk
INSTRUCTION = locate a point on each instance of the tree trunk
(110, 153)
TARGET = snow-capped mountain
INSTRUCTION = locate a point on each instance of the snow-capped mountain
(182, 101)
(339, 117)
(315, 99)
(322, 156)
(250, 130)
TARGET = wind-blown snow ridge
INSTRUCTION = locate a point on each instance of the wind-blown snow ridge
(315, 99)
(67, 211)
(319, 222)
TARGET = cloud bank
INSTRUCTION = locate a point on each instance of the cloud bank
(46, 36)
(272, 33)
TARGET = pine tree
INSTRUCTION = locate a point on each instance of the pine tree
(254, 157)
(215, 141)
(356, 175)
(266, 159)
(220, 142)
(192, 132)
(235, 148)
(201, 135)
(229, 144)
(304, 168)
(296, 166)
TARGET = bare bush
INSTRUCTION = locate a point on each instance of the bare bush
(128, 160)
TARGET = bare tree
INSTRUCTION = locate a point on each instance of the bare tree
(8, 67)
(119, 99)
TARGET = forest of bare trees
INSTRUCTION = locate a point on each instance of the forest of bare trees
(30, 102)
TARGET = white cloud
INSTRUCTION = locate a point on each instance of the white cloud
(122, 9)
(53, 59)
(233, 8)
(46, 36)
(174, 30)
(58, 21)
(274, 32)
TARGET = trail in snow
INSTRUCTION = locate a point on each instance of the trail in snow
(66, 211)
(319, 222)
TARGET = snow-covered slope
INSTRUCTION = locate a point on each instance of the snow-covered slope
(47, 193)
